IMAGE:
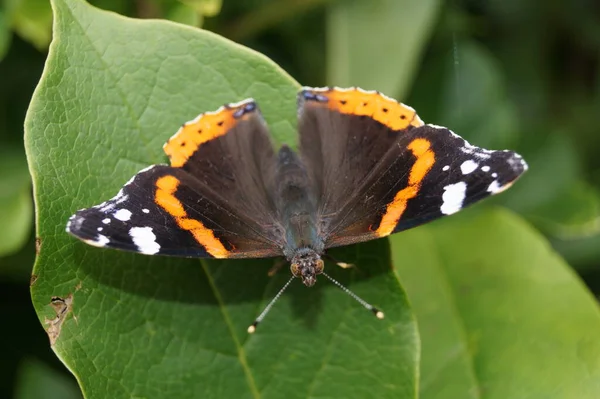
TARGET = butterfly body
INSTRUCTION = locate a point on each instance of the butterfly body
(296, 204)
(367, 167)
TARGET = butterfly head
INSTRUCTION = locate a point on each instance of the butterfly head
(307, 264)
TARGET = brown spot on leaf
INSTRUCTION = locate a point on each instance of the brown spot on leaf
(38, 245)
(32, 279)
(62, 307)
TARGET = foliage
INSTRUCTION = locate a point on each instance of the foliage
(208, 304)
(490, 300)
(495, 294)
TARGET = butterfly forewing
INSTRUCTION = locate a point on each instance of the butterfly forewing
(380, 170)
(212, 201)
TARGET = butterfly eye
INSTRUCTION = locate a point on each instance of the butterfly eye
(295, 269)
(320, 266)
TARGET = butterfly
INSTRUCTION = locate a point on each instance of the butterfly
(367, 167)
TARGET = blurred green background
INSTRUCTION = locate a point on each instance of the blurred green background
(512, 74)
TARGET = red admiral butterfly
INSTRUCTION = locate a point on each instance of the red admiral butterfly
(367, 167)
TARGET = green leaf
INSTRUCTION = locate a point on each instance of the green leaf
(37, 380)
(571, 221)
(552, 168)
(16, 207)
(207, 8)
(500, 314)
(136, 326)
(32, 20)
(377, 45)
(473, 97)
(5, 30)
(183, 14)
(573, 214)
(190, 12)
(581, 252)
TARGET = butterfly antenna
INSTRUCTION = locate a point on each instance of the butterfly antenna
(260, 318)
(378, 313)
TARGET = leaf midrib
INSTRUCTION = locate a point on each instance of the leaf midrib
(240, 349)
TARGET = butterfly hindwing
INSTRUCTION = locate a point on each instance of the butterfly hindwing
(379, 169)
(205, 204)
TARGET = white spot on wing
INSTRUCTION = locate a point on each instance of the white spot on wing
(144, 239)
(100, 241)
(416, 117)
(130, 180)
(468, 166)
(453, 197)
(445, 168)
(106, 221)
(496, 188)
(362, 90)
(120, 194)
(146, 210)
(105, 206)
(120, 198)
(320, 89)
(436, 126)
(122, 214)
(485, 168)
(467, 148)
(242, 103)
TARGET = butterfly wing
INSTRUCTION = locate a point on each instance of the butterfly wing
(379, 169)
(211, 202)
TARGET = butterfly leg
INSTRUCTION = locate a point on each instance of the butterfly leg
(341, 264)
(276, 266)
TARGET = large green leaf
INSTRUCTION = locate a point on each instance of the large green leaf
(377, 44)
(114, 89)
(16, 207)
(500, 314)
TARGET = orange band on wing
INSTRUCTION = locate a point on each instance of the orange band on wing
(383, 109)
(425, 158)
(205, 127)
(166, 187)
